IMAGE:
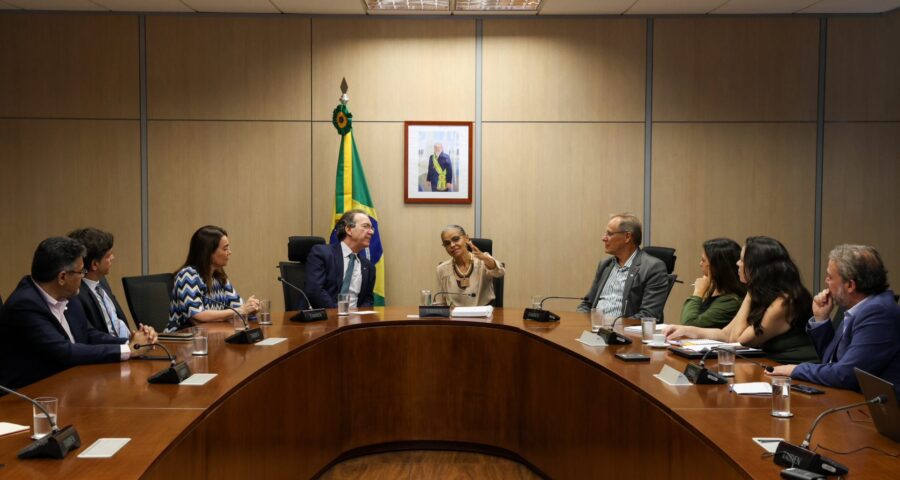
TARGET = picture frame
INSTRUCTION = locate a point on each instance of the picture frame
(449, 178)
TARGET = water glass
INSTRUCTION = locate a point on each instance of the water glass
(343, 304)
(726, 361)
(238, 322)
(781, 397)
(42, 426)
(200, 341)
(425, 298)
(265, 312)
(536, 302)
(597, 319)
(648, 328)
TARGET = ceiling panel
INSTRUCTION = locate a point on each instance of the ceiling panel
(763, 6)
(55, 5)
(144, 5)
(344, 7)
(650, 7)
(585, 7)
(232, 6)
(852, 6)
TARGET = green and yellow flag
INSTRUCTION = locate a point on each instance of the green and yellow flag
(351, 191)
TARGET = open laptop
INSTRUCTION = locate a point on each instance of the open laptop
(885, 415)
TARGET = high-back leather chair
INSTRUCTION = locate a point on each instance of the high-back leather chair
(294, 270)
(148, 299)
(487, 245)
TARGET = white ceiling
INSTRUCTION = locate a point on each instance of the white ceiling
(549, 7)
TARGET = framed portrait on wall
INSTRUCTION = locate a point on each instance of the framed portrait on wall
(438, 162)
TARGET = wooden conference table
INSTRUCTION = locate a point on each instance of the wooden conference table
(357, 384)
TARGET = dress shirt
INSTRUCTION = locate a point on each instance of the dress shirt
(356, 279)
(610, 299)
(58, 309)
(114, 324)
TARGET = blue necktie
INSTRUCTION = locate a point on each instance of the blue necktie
(348, 275)
(112, 320)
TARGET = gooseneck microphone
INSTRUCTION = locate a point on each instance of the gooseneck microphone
(790, 455)
(541, 315)
(698, 374)
(440, 311)
(310, 314)
(55, 444)
(612, 337)
(247, 335)
(177, 371)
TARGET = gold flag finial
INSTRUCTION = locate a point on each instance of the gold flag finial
(344, 97)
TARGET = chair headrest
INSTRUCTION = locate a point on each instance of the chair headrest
(486, 245)
(666, 254)
(299, 247)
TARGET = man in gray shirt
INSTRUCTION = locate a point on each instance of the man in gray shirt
(630, 283)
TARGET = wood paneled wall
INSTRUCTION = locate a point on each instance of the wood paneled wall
(239, 135)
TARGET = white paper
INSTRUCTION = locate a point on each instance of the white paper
(636, 329)
(271, 341)
(769, 444)
(104, 448)
(670, 376)
(363, 312)
(752, 388)
(413, 317)
(6, 428)
(198, 379)
(473, 312)
(591, 339)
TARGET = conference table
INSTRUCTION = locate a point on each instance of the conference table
(360, 384)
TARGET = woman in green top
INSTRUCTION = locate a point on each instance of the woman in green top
(774, 312)
(717, 294)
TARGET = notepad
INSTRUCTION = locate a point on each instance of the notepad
(7, 428)
(271, 341)
(104, 448)
(472, 312)
(198, 379)
(752, 388)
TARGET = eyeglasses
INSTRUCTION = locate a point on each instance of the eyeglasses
(83, 271)
(446, 243)
(365, 226)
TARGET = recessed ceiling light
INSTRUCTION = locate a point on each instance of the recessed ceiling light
(427, 5)
(498, 5)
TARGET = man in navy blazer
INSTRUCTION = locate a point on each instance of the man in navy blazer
(869, 335)
(42, 333)
(97, 300)
(338, 268)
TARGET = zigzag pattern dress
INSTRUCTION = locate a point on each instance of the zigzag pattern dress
(191, 296)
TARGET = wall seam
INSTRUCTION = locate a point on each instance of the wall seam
(145, 164)
(820, 154)
(479, 74)
(648, 135)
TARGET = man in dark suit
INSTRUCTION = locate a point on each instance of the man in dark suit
(338, 268)
(440, 170)
(630, 283)
(42, 333)
(869, 335)
(97, 300)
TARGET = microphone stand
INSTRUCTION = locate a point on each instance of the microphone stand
(310, 314)
(541, 315)
(175, 374)
(245, 336)
(55, 444)
(698, 374)
(790, 455)
(440, 311)
(612, 337)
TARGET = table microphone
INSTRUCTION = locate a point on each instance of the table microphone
(611, 337)
(55, 444)
(176, 372)
(247, 335)
(440, 311)
(698, 374)
(790, 455)
(541, 315)
(310, 314)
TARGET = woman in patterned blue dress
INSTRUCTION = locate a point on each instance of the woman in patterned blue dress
(202, 289)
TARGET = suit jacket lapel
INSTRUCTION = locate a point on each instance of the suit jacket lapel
(338, 265)
(629, 281)
(46, 310)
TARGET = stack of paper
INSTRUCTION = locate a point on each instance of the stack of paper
(752, 388)
(636, 329)
(473, 312)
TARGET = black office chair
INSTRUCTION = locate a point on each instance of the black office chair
(668, 257)
(294, 270)
(486, 245)
(148, 299)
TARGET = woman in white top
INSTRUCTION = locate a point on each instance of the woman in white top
(468, 275)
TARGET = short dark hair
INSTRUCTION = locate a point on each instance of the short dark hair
(204, 243)
(863, 265)
(631, 224)
(347, 220)
(96, 242)
(54, 255)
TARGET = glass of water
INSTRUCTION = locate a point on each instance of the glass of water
(343, 304)
(264, 315)
(425, 298)
(597, 319)
(536, 302)
(781, 397)
(42, 425)
(200, 341)
(648, 328)
(726, 362)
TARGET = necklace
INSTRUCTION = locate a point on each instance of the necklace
(462, 279)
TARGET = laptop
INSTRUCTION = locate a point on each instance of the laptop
(886, 416)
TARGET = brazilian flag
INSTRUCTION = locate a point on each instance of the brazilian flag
(351, 191)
